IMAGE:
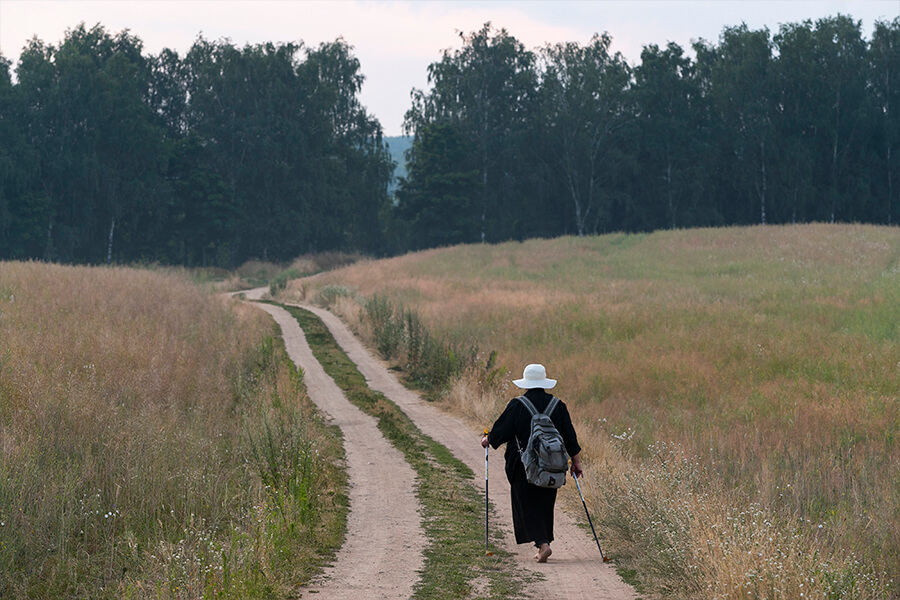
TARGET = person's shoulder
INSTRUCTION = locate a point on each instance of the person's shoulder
(514, 403)
(560, 403)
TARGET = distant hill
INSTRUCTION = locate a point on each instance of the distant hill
(398, 146)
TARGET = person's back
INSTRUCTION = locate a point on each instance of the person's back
(532, 506)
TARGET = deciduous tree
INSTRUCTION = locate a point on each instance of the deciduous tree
(584, 105)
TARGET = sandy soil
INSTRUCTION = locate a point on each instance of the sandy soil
(387, 568)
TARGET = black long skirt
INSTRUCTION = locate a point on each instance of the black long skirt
(532, 507)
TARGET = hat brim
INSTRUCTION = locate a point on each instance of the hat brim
(530, 384)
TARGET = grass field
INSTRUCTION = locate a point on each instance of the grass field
(155, 443)
(736, 391)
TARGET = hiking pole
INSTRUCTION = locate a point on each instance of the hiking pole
(605, 559)
(486, 551)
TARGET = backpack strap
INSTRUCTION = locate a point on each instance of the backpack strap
(550, 407)
(528, 405)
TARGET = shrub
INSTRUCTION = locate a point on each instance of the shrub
(279, 283)
(329, 295)
(387, 330)
(401, 336)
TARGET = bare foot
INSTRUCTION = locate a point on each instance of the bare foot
(543, 553)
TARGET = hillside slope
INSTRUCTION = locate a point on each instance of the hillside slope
(711, 370)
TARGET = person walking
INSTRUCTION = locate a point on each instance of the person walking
(532, 506)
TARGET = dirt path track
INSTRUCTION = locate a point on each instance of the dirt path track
(383, 552)
(575, 570)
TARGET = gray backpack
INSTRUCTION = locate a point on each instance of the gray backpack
(544, 457)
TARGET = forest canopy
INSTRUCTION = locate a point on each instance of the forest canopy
(224, 154)
(799, 126)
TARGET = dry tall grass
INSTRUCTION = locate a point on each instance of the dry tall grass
(133, 410)
(738, 391)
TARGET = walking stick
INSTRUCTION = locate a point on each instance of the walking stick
(486, 551)
(605, 559)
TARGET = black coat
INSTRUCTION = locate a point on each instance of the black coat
(532, 506)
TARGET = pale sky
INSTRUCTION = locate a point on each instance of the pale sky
(396, 41)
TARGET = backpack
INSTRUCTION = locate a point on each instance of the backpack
(544, 457)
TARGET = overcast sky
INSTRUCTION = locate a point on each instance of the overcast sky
(396, 41)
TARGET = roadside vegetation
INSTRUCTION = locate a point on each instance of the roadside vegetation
(736, 390)
(156, 443)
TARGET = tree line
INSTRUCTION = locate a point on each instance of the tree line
(211, 158)
(227, 153)
(799, 126)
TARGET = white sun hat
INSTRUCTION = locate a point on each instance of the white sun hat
(534, 376)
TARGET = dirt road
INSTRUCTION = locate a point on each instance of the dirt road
(574, 571)
(385, 541)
